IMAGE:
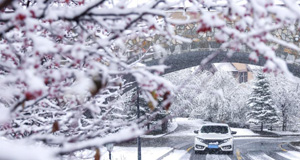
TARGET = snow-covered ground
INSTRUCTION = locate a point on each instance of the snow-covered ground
(130, 153)
(125, 153)
(178, 127)
(193, 124)
(284, 133)
(21, 150)
(295, 145)
(243, 132)
(172, 126)
(189, 126)
(177, 155)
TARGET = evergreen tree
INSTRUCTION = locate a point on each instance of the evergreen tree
(262, 108)
(145, 110)
(131, 103)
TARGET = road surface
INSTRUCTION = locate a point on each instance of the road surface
(255, 149)
(245, 148)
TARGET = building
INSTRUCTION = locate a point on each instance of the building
(240, 71)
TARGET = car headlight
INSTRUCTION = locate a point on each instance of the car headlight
(226, 140)
(200, 139)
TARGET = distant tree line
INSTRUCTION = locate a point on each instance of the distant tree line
(267, 99)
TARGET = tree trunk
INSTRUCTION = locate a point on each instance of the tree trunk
(262, 126)
(283, 115)
(284, 118)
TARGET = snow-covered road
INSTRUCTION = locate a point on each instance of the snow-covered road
(181, 140)
(187, 126)
(289, 155)
(255, 149)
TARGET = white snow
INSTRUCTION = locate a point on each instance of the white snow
(176, 155)
(194, 124)
(228, 67)
(55, 26)
(18, 150)
(291, 155)
(81, 87)
(257, 138)
(130, 153)
(284, 133)
(191, 124)
(254, 67)
(243, 132)
(41, 42)
(123, 153)
(5, 114)
(172, 126)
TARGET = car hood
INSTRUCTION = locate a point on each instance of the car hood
(213, 136)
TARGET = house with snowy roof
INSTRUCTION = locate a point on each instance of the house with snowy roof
(240, 71)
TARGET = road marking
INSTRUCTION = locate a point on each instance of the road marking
(259, 155)
(238, 154)
(291, 155)
(189, 148)
(280, 146)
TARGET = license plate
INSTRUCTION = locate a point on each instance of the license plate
(213, 146)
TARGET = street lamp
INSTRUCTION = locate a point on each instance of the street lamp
(138, 116)
(109, 147)
(139, 156)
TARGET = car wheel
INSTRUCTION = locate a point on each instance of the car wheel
(230, 152)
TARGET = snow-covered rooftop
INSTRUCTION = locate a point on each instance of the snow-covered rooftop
(228, 67)
(208, 3)
(254, 67)
(187, 4)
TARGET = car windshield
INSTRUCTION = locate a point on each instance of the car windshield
(214, 129)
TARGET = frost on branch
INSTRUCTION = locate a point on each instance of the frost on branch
(65, 64)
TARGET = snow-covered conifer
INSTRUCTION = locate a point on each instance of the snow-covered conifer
(261, 105)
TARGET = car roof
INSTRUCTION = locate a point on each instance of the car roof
(215, 124)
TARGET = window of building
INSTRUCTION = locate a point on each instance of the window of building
(243, 77)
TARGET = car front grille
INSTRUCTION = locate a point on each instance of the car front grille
(206, 141)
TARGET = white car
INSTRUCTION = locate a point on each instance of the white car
(214, 137)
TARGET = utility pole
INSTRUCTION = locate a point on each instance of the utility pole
(138, 116)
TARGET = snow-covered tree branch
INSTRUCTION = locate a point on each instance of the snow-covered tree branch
(64, 63)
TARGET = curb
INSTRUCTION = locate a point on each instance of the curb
(289, 135)
(166, 154)
(258, 136)
(293, 147)
(172, 150)
(270, 133)
(171, 131)
(184, 157)
(278, 135)
(161, 135)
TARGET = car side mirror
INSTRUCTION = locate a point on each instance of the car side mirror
(233, 132)
(196, 131)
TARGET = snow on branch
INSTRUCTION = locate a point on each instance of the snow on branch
(64, 65)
